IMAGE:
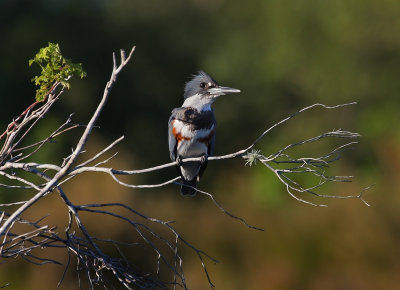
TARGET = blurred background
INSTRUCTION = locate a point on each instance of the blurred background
(282, 55)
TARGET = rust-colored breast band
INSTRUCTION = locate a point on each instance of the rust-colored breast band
(178, 136)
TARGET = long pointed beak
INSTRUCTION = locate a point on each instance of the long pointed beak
(222, 91)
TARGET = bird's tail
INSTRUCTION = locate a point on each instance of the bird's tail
(188, 187)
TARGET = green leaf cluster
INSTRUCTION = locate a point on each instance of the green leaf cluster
(55, 69)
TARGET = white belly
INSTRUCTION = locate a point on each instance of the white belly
(191, 148)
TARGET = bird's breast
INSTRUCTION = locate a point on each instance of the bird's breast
(185, 131)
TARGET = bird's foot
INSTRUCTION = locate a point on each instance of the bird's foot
(204, 159)
(179, 161)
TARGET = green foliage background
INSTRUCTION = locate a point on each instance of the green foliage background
(283, 55)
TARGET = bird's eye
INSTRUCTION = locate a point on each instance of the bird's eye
(203, 85)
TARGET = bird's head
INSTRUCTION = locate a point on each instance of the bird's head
(202, 90)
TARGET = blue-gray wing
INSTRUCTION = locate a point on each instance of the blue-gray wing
(211, 144)
(171, 137)
(210, 150)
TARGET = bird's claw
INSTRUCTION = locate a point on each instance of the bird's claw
(203, 159)
(179, 160)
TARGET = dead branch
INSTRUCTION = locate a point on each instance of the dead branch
(166, 247)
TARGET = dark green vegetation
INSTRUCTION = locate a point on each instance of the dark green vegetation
(283, 55)
(55, 69)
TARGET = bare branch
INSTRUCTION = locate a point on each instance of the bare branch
(294, 115)
(221, 208)
(164, 245)
(78, 149)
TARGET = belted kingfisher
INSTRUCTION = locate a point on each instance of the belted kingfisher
(191, 129)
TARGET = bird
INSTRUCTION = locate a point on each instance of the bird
(191, 129)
